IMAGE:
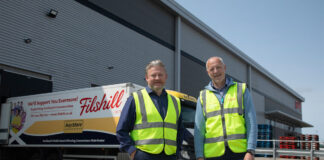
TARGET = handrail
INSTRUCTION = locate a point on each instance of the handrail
(275, 151)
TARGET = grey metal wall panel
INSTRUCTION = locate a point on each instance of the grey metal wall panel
(193, 76)
(271, 105)
(259, 106)
(77, 46)
(145, 14)
(273, 91)
(202, 47)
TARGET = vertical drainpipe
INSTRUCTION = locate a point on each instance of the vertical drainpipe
(177, 54)
(249, 81)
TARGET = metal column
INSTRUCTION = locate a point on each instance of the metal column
(177, 54)
(249, 79)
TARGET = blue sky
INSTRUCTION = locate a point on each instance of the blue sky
(286, 37)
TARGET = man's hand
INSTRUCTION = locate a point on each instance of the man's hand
(248, 156)
(200, 159)
(133, 155)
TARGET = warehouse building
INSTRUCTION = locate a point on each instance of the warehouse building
(56, 45)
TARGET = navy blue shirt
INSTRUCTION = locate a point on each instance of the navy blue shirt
(128, 116)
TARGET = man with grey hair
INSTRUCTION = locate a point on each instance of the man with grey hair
(225, 122)
(150, 125)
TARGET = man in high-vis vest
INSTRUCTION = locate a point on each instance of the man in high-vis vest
(150, 126)
(225, 122)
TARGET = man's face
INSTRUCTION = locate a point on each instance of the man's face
(156, 77)
(216, 70)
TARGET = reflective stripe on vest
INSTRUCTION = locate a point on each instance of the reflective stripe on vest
(225, 124)
(150, 133)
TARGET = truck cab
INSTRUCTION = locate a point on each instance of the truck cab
(188, 110)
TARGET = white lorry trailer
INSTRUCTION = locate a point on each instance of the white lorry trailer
(77, 123)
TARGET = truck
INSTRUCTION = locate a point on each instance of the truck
(72, 124)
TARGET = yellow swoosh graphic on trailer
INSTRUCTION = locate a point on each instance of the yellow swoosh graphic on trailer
(73, 126)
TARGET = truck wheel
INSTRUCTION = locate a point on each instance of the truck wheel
(123, 156)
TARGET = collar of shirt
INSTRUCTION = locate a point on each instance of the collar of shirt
(150, 91)
(160, 102)
(227, 83)
(220, 93)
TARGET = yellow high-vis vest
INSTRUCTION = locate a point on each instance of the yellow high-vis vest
(225, 124)
(151, 134)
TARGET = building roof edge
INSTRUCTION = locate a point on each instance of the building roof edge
(182, 12)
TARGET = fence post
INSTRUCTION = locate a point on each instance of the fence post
(311, 151)
(274, 149)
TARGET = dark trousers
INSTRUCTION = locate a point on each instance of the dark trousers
(229, 155)
(141, 155)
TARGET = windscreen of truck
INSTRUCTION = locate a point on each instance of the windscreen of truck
(188, 109)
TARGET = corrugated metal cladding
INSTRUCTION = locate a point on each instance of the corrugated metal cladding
(145, 14)
(274, 92)
(77, 47)
(259, 102)
(202, 47)
(193, 76)
(271, 105)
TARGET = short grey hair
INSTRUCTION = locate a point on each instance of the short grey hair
(220, 59)
(153, 64)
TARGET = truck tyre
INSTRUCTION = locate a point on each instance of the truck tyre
(123, 156)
